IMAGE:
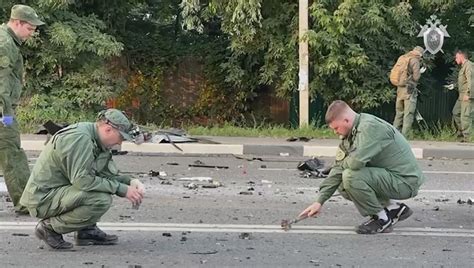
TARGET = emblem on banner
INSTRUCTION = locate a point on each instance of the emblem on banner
(433, 34)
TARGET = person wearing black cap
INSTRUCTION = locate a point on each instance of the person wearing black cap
(74, 178)
(13, 161)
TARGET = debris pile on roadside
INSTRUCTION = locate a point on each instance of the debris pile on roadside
(313, 169)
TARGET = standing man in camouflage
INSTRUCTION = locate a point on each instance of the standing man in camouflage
(462, 110)
(21, 26)
(375, 168)
(407, 93)
(74, 178)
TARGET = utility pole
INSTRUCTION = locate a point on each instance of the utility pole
(303, 84)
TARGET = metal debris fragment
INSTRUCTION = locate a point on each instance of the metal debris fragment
(208, 166)
(286, 224)
(20, 234)
(200, 179)
(245, 236)
(205, 252)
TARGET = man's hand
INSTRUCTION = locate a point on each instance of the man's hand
(465, 98)
(134, 195)
(450, 86)
(422, 70)
(7, 120)
(135, 183)
(311, 211)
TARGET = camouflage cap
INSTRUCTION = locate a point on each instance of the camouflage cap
(117, 120)
(25, 13)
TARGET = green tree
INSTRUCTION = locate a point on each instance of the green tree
(68, 62)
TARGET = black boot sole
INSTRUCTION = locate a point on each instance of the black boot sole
(42, 236)
(92, 242)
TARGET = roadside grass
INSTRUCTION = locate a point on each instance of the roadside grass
(274, 131)
(31, 121)
(433, 132)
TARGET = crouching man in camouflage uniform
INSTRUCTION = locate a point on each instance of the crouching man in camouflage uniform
(375, 168)
(74, 178)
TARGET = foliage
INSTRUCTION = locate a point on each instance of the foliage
(66, 63)
(353, 44)
(92, 51)
(38, 110)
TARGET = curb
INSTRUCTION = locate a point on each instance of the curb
(254, 149)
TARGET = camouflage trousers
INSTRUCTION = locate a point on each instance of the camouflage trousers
(462, 117)
(14, 163)
(371, 188)
(70, 209)
(405, 108)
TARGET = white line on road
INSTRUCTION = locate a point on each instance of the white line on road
(237, 228)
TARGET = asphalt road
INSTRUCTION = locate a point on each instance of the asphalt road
(237, 224)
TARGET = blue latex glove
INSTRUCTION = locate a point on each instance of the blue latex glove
(7, 120)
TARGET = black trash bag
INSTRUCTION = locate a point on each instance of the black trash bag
(312, 164)
(313, 168)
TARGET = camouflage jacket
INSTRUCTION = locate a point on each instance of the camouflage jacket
(11, 70)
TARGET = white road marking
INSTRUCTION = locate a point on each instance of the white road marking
(237, 228)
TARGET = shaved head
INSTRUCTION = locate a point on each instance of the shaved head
(335, 110)
(340, 117)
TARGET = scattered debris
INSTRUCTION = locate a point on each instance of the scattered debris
(469, 201)
(200, 182)
(20, 234)
(173, 164)
(284, 154)
(436, 208)
(208, 166)
(166, 234)
(191, 186)
(245, 193)
(286, 224)
(153, 173)
(245, 236)
(200, 179)
(248, 158)
(166, 183)
(447, 249)
(205, 252)
(304, 139)
(313, 168)
(265, 181)
(214, 184)
(263, 166)
(88, 263)
(183, 238)
(442, 200)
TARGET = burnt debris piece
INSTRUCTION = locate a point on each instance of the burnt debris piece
(313, 168)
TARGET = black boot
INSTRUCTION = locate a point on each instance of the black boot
(92, 235)
(45, 232)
